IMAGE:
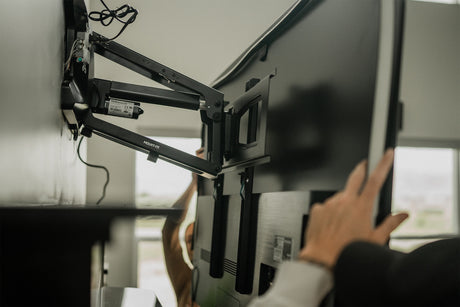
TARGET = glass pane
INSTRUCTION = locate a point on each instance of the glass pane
(424, 186)
(152, 272)
(160, 184)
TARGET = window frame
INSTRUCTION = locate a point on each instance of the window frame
(455, 146)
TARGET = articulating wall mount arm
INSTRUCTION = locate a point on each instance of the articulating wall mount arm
(212, 103)
(83, 95)
(138, 142)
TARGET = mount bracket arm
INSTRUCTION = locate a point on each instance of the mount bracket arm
(140, 143)
(212, 108)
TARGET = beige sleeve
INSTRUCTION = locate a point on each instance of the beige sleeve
(297, 284)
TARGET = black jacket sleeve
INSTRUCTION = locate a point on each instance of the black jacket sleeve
(371, 275)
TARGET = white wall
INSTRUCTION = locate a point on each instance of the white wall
(38, 162)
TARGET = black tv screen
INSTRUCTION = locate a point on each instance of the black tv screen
(331, 101)
(321, 97)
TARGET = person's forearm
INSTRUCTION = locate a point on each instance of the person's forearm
(171, 226)
(182, 203)
(178, 271)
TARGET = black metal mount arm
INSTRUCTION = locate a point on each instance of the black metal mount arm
(107, 90)
(83, 95)
(211, 108)
(138, 142)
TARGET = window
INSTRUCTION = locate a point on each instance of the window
(425, 185)
(159, 185)
(441, 1)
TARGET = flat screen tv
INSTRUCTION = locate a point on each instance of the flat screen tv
(327, 77)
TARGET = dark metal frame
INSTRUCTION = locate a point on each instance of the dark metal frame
(85, 95)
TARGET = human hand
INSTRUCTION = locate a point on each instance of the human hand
(200, 154)
(347, 216)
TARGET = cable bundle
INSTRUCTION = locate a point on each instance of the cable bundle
(107, 16)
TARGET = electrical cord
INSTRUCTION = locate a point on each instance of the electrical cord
(72, 51)
(106, 16)
(95, 166)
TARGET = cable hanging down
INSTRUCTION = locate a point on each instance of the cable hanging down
(106, 16)
(95, 166)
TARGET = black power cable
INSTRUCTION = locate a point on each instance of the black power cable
(106, 16)
(95, 166)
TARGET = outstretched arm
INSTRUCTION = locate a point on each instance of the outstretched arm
(344, 218)
(179, 272)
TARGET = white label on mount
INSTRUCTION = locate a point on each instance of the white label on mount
(121, 108)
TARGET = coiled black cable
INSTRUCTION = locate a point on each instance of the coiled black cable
(106, 16)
